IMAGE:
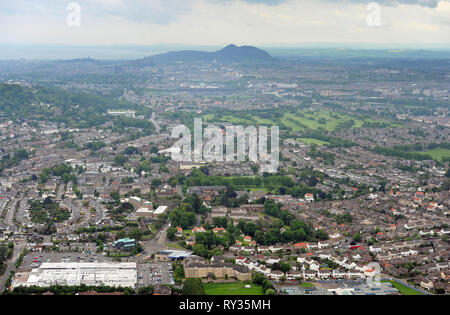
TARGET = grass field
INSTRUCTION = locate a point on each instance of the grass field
(404, 290)
(437, 154)
(307, 285)
(327, 120)
(175, 246)
(301, 120)
(232, 288)
(238, 121)
(266, 190)
(312, 141)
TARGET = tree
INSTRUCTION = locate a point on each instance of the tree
(357, 237)
(194, 203)
(267, 285)
(258, 279)
(270, 292)
(271, 208)
(259, 237)
(220, 222)
(163, 169)
(208, 239)
(250, 228)
(284, 267)
(446, 184)
(193, 287)
(178, 272)
(135, 234)
(131, 150)
(200, 250)
(171, 233)
(182, 218)
(146, 290)
(115, 195)
(3, 254)
(162, 218)
(43, 177)
(120, 160)
(321, 235)
(121, 234)
(156, 182)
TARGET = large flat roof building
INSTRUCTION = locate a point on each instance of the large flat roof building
(125, 244)
(160, 210)
(75, 274)
(142, 213)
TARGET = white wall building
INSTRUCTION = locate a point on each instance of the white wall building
(74, 274)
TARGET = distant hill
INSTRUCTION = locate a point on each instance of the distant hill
(81, 61)
(229, 54)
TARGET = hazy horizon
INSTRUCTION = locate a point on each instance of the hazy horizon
(134, 51)
(212, 24)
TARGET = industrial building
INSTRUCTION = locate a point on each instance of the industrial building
(160, 210)
(142, 213)
(74, 274)
(125, 244)
(168, 255)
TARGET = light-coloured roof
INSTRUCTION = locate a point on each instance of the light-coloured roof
(161, 209)
(73, 274)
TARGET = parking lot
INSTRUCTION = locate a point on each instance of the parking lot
(149, 274)
(155, 274)
(35, 259)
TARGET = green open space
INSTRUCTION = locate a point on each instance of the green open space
(232, 288)
(404, 290)
(310, 141)
(266, 190)
(323, 119)
(437, 154)
(175, 246)
(298, 121)
(252, 119)
(47, 211)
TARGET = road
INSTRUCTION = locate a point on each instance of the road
(3, 208)
(9, 219)
(18, 249)
(153, 120)
(180, 191)
(158, 243)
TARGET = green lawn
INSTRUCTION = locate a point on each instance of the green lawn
(324, 119)
(312, 141)
(303, 119)
(232, 288)
(404, 290)
(307, 285)
(255, 120)
(174, 246)
(437, 154)
(266, 190)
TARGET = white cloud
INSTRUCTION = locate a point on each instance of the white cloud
(217, 22)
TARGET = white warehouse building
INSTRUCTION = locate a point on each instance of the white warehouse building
(160, 210)
(74, 274)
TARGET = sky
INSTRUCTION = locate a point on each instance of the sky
(221, 22)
